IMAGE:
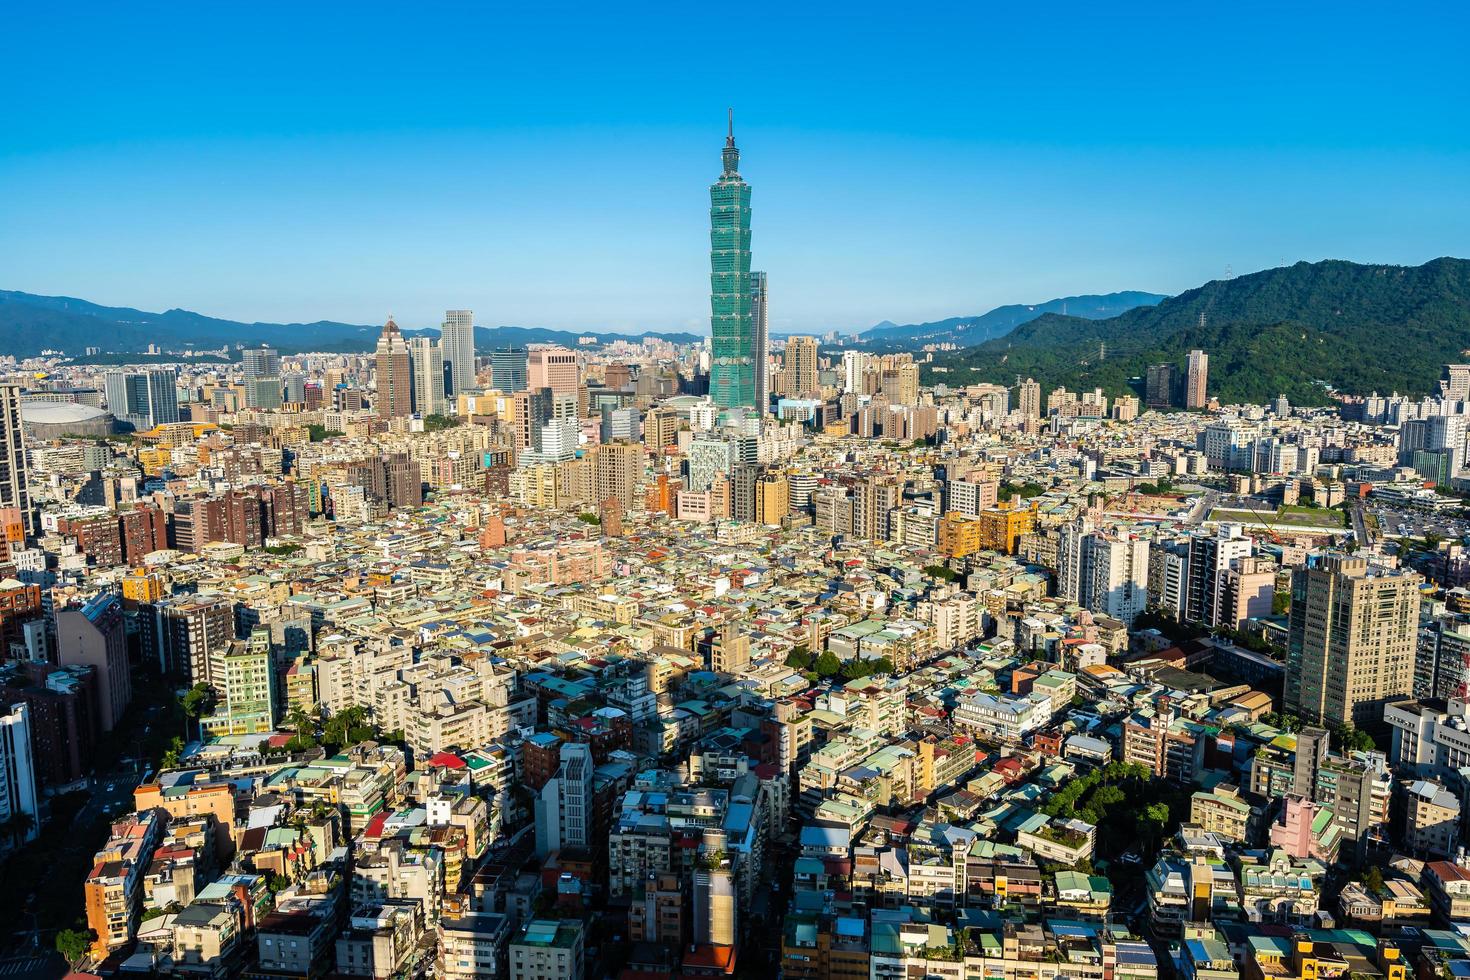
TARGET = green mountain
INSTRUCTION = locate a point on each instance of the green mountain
(1355, 327)
(30, 324)
(967, 330)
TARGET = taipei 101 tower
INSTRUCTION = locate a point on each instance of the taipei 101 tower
(734, 358)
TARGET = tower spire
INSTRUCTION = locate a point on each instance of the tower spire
(730, 155)
(730, 136)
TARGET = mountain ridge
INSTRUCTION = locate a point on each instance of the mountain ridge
(975, 329)
(30, 323)
(1292, 330)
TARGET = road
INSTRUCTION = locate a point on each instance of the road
(41, 966)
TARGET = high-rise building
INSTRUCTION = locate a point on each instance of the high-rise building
(1211, 556)
(621, 424)
(15, 489)
(799, 367)
(1105, 573)
(1196, 379)
(426, 357)
(18, 794)
(1028, 398)
(1351, 643)
(143, 399)
(394, 374)
(617, 471)
(554, 368)
(760, 344)
(531, 409)
(732, 381)
(189, 632)
(508, 369)
(1158, 391)
(457, 341)
(93, 635)
(772, 498)
(564, 808)
(262, 370)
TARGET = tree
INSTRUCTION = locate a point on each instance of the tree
(827, 664)
(301, 721)
(18, 827)
(1373, 880)
(74, 945)
(799, 659)
(170, 758)
(199, 700)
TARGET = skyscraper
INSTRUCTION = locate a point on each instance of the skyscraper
(1350, 647)
(395, 374)
(554, 368)
(732, 381)
(143, 398)
(799, 367)
(262, 368)
(457, 340)
(1196, 377)
(1158, 389)
(760, 348)
(427, 359)
(15, 489)
(508, 372)
(1028, 398)
(18, 772)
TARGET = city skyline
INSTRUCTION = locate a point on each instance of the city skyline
(352, 192)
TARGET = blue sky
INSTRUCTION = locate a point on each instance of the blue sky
(548, 165)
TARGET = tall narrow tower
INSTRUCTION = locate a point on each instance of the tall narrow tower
(732, 381)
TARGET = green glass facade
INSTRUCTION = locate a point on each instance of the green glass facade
(732, 321)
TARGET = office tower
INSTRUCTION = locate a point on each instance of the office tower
(394, 382)
(760, 345)
(1196, 378)
(426, 358)
(262, 370)
(295, 389)
(799, 367)
(457, 343)
(732, 322)
(143, 399)
(1211, 556)
(1158, 391)
(531, 409)
(15, 490)
(93, 635)
(554, 368)
(18, 796)
(1351, 643)
(508, 369)
(1028, 398)
(559, 441)
(617, 471)
(564, 808)
(621, 424)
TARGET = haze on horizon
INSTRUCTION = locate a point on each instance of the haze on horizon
(551, 167)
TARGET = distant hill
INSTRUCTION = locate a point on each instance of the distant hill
(1355, 327)
(970, 330)
(31, 323)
